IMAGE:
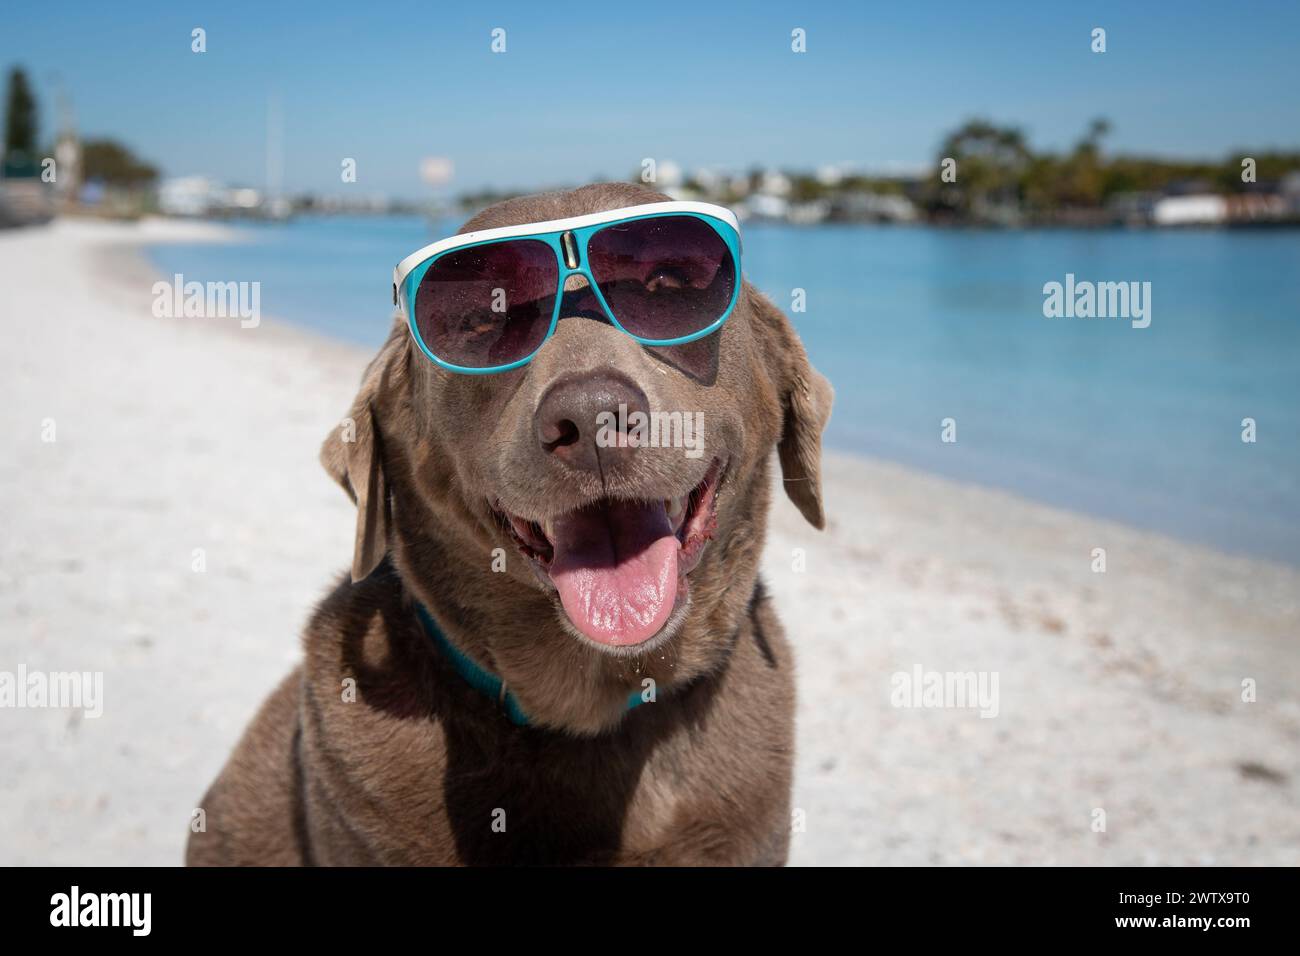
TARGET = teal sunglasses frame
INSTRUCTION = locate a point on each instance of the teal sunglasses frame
(410, 272)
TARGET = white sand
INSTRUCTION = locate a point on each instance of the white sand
(1119, 691)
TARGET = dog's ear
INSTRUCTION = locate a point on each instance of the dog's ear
(806, 398)
(353, 454)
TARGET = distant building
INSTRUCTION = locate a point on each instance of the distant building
(190, 196)
(872, 207)
(1135, 208)
(24, 202)
(809, 213)
(830, 175)
(760, 206)
(669, 175)
(1290, 192)
(775, 184)
(67, 156)
(1256, 207)
(242, 200)
(1190, 210)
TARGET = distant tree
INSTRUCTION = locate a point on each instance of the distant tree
(990, 162)
(1098, 130)
(20, 124)
(112, 163)
(1041, 183)
(1082, 180)
(807, 188)
(1144, 174)
(1270, 168)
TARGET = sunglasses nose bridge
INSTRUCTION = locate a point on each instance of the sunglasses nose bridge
(576, 280)
(579, 300)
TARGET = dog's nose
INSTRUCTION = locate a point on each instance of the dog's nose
(583, 420)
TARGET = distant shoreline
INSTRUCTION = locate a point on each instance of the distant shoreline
(235, 222)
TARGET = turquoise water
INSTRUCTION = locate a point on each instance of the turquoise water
(915, 325)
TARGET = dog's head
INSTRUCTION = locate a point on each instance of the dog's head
(574, 545)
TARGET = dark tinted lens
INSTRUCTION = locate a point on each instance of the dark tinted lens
(664, 277)
(488, 305)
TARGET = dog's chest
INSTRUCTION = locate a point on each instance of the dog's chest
(570, 802)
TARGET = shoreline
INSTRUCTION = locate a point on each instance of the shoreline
(1119, 690)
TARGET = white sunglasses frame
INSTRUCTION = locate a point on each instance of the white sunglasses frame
(403, 268)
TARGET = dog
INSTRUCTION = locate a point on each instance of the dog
(449, 710)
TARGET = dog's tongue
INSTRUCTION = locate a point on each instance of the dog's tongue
(615, 566)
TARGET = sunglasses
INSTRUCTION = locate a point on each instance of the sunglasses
(663, 273)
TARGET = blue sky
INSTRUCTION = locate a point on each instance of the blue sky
(589, 89)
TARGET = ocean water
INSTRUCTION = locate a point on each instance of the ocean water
(917, 325)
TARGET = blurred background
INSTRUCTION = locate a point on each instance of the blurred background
(339, 141)
(909, 178)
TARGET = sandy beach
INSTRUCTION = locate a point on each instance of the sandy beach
(139, 448)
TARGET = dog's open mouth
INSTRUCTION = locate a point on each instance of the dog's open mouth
(619, 566)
